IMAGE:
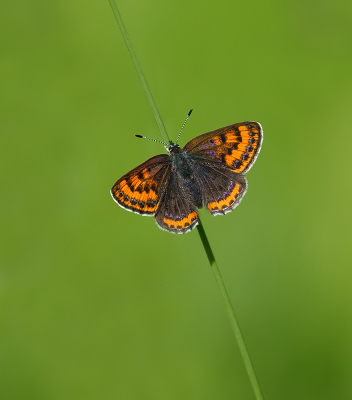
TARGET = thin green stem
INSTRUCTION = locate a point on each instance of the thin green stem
(231, 314)
(140, 74)
(203, 236)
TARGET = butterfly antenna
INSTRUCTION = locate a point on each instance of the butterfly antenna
(153, 140)
(184, 124)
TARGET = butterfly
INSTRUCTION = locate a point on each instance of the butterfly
(208, 171)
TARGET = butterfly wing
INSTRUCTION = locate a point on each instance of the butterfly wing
(177, 212)
(142, 189)
(222, 189)
(235, 146)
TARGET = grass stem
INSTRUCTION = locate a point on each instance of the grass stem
(231, 313)
(140, 74)
(203, 236)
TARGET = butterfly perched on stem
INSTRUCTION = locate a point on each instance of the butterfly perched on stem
(208, 171)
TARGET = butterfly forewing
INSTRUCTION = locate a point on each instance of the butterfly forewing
(142, 189)
(235, 146)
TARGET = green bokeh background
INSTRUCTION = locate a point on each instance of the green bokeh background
(98, 303)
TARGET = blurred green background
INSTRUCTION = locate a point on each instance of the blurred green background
(97, 302)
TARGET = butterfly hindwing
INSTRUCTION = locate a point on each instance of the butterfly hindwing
(222, 189)
(142, 189)
(235, 146)
(177, 212)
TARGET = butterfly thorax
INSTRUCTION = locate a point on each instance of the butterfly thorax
(182, 174)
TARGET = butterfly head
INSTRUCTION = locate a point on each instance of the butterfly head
(173, 148)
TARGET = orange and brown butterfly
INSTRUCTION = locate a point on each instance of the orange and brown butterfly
(208, 171)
